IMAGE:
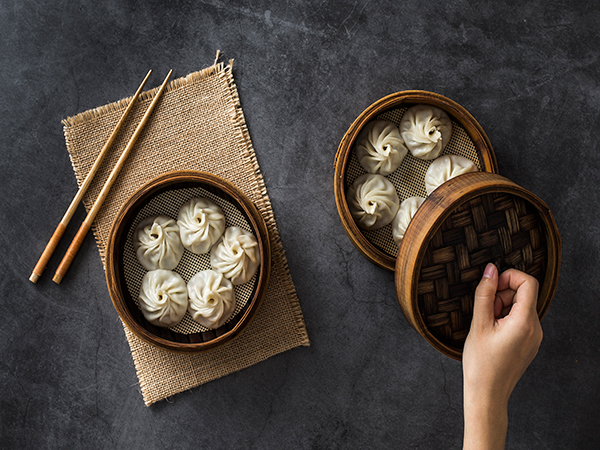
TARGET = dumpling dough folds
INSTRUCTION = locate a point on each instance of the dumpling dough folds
(446, 167)
(212, 299)
(426, 130)
(380, 148)
(406, 212)
(163, 297)
(201, 223)
(236, 255)
(373, 201)
(157, 243)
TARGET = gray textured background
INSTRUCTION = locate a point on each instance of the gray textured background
(528, 71)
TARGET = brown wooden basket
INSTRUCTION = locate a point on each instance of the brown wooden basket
(467, 222)
(464, 224)
(467, 134)
(173, 189)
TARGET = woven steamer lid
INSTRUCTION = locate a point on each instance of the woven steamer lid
(167, 193)
(463, 225)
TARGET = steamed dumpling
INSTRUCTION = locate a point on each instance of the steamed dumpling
(406, 212)
(157, 243)
(236, 255)
(380, 148)
(373, 201)
(163, 297)
(426, 130)
(212, 299)
(201, 223)
(446, 167)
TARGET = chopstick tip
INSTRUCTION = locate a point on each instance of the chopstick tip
(164, 84)
(34, 278)
(57, 278)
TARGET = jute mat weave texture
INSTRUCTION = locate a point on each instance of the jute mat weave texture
(198, 124)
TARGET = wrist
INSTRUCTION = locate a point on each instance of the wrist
(483, 396)
(486, 421)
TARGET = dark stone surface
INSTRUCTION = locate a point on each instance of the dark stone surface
(528, 71)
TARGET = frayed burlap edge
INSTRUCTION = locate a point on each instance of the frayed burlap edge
(148, 95)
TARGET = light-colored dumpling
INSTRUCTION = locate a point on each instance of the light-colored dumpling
(426, 130)
(163, 297)
(406, 212)
(380, 148)
(236, 255)
(201, 224)
(373, 201)
(157, 243)
(446, 167)
(212, 299)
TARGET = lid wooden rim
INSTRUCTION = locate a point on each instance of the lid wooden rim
(426, 222)
(118, 233)
(396, 100)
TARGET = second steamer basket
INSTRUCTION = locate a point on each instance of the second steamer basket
(467, 222)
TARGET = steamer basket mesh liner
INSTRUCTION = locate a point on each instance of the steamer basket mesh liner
(409, 178)
(168, 203)
(498, 227)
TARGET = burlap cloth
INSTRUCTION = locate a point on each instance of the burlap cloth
(197, 124)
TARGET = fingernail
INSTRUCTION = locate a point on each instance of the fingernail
(489, 271)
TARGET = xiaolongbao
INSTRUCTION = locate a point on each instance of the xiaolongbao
(446, 167)
(157, 243)
(406, 212)
(212, 299)
(163, 297)
(236, 255)
(373, 201)
(201, 223)
(380, 148)
(426, 130)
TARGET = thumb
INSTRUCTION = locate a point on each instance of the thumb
(485, 296)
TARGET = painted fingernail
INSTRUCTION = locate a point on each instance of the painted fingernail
(489, 271)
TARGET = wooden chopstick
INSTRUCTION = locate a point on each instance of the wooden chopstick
(87, 223)
(62, 226)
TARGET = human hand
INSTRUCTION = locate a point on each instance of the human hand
(504, 338)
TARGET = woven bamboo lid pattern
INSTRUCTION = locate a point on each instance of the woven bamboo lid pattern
(466, 223)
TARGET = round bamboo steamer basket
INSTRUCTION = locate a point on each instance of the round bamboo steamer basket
(463, 225)
(467, 222)
(116, 262)
(458, 114)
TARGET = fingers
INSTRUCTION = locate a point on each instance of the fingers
(502, 306)
(485, 297)
(506, 297)
(498, 306)
(524, 288)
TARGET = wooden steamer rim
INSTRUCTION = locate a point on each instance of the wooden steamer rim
(115, 277)
(427, 221)
(475, 132)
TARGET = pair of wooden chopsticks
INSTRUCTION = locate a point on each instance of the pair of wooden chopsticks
(87, 223)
